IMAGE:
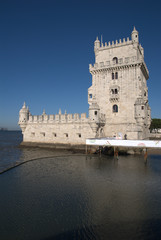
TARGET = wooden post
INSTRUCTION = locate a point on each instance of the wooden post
(146, 155)
(86, 150)
(116, 153)
(100, 151)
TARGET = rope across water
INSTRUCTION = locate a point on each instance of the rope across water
(35, 159)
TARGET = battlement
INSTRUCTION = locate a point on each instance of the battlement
(113, 44)
(58, 118)
(134, 40)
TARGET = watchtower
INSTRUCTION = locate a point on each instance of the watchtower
(119, 87)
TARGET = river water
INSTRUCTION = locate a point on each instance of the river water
(60, 195)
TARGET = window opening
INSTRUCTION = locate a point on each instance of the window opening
(115, 108)
(115, 60)
(116, 92)
(95, 112)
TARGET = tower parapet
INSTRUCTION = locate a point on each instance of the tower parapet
(57, 118)
(117, 43)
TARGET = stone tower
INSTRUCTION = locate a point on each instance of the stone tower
(119, 87)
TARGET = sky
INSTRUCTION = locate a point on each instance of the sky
(46, 47)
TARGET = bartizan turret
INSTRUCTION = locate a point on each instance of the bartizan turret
(96, 45)
(135, 36)
(94, 116)
(23, 117)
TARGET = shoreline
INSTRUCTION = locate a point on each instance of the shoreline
(91, 149)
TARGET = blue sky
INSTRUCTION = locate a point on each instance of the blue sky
(46, 47)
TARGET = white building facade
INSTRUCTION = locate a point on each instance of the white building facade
(118, 100)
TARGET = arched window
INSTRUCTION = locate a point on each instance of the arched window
(115, 60)
(116, 92)
(115, 75)
(115, 108)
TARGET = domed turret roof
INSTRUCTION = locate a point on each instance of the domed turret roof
(24, 108)
(97, 40)
(134, 30)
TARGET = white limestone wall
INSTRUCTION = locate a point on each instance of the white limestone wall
(63, 133)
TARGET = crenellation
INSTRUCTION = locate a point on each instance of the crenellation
(76, 116)
(35, 118)
(83, 116)
(57, 117)
(117, 43)
(41, 118)
(30, 118)
(45, 118)
(51, 118)
(70, 117)
(63, 118)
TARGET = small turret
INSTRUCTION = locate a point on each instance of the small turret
(23, 117)
(96, 44)
(135, 36)
(94, 112)
(94, 115)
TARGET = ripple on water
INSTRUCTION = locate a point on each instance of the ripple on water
(74, 197)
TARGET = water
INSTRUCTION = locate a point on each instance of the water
(68, 196)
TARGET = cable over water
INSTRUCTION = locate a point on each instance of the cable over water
(35, 159)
